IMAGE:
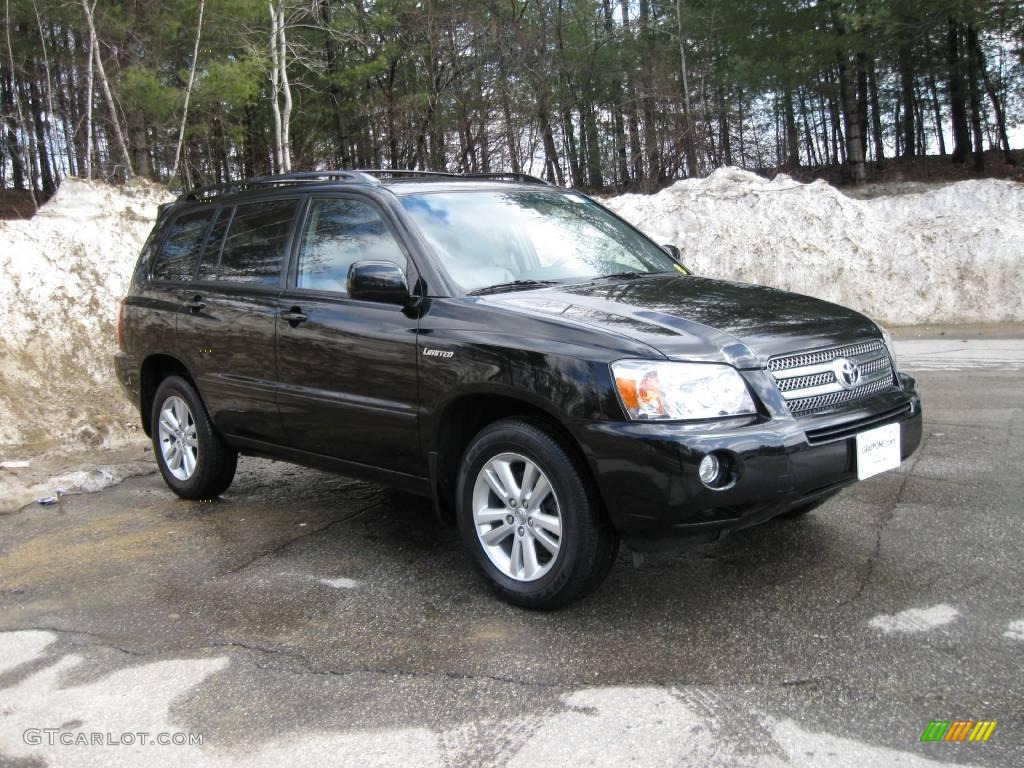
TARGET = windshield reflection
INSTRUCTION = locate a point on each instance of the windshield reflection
(529, 238)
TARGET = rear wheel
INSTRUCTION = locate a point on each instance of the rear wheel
(194, 460)
(530, 519)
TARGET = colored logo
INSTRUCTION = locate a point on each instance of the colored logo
(958, 730)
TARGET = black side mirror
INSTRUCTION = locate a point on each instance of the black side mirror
(380, 281)
(672, 251)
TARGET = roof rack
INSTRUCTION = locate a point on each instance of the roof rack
(279, 180)
(374, 177)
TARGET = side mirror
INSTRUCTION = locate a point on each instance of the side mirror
(672, 251)
(381, 281)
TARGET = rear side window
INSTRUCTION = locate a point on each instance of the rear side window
(177, 257)
(340, 232)
(253, 250)
(210, 262)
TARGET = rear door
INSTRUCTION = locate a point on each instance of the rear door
(226, 325)
(153, 309)
(347, 368)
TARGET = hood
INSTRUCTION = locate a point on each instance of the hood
(700, 319)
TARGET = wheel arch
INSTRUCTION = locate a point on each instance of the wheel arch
(462, 417)
(154, 370)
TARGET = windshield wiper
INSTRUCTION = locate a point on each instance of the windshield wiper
(514, 285)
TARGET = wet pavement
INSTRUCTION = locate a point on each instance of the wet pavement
(315, 620)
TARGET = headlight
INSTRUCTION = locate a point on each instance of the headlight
(658, 390)
(887, 338)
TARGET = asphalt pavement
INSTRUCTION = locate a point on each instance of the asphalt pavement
(311, 620)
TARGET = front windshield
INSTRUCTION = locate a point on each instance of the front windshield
(487, 239)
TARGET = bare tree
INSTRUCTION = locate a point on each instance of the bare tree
(188, 89)
(281, 92)
(88, 104)
(114, 119)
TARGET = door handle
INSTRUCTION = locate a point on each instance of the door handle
(294, 316)
(196, 305)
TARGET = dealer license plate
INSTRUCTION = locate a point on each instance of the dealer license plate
(878, 450)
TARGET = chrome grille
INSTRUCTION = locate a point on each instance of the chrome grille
(808, 382)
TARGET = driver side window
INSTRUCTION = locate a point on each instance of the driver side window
(338, 233)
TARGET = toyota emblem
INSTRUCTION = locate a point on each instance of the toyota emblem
(847, 372)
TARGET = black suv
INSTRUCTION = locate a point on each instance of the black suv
(549, 376)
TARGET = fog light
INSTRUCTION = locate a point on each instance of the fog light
(709, 470)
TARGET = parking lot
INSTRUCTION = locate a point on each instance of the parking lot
(315, 620)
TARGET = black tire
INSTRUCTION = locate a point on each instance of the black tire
(216, 461)
(588, 542)
(806, 508)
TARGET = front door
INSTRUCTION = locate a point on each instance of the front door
(347, 368)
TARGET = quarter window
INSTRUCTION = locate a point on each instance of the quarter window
(340, 232)
(177, 257)
(254, 247)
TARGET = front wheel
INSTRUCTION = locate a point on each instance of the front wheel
(194, 460)
(530, 519)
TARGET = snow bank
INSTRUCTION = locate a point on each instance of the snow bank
(951, 253)
(62, 274)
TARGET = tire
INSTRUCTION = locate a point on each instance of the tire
(585, 544)
(806, 508)
(203, 465)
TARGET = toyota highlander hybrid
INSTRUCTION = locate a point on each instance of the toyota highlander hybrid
(552, 379)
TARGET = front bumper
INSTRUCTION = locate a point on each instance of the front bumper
(647, 472)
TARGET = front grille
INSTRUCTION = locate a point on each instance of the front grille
(808, 380)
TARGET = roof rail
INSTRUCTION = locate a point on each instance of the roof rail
(278, 180)
(404, 173)
(523, 178)
(373, 176)
(400, 173)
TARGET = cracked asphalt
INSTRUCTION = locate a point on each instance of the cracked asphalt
(311, 619)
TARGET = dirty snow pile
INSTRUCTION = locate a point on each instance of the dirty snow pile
(949, 253)
(62, 275)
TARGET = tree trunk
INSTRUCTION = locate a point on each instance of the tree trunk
(937, 110)
(808, 135)
(974, 94)
(723, 127)
(593, 147)
(16, 148)
(792, 134)
(689, 143)
(286, 89)
(906, 68)
(862, 101)
(105, 86)
(40, 118)
(961, 131)
(551, 162)
(993, 95)
(188, 90)
(632, 115)
(647, 82)
(851, 113)
(876, 113)
(618, 119)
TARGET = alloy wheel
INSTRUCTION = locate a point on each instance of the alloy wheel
(517, 517)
